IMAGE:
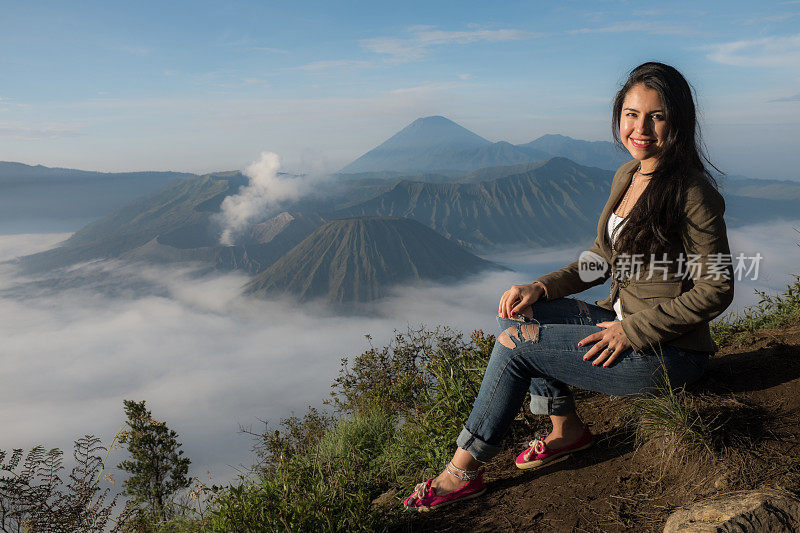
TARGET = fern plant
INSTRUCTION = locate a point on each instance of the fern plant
(34, 497)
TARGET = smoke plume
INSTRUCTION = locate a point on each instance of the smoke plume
(266, 190)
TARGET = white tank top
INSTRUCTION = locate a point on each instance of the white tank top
(615, 222)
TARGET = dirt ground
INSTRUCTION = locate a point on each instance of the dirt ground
(754, 389)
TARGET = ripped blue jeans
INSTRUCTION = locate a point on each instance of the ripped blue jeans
(546, 359)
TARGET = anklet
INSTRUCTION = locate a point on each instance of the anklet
(463, 475)
(459, 470)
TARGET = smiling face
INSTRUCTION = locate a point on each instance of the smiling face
(642, 126)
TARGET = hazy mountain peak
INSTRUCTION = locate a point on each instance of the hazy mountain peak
(418, 146)
(438, 145)
(435, 130)
(554, 137)
(433, 119)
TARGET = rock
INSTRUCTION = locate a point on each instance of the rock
(722, 482)
(385, 501)
(756, 512)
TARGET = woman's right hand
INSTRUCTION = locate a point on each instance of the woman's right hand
(518, 297)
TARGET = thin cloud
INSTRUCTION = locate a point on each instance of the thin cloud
(651, 12)
(139, 51)
(765, 52)
(771, 18)
(259, 82)
(251, 44)
(655, 28)
(337, 64)
(793, 98)
(425, 89)
(269, 49)
(15, 130)
(422, 38)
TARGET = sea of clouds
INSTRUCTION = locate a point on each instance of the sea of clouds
(209, 361)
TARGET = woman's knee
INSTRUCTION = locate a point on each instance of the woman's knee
(514, 335)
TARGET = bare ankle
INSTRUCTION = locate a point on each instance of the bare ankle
(446, 482)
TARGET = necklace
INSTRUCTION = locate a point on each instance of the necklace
(624, 202)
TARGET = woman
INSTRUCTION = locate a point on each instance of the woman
(663, 235)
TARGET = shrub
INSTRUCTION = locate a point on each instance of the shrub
(771, 311)
(33, 497)
(327, 487)
(157, 469)
(399, 410)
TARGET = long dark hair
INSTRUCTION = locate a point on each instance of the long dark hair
(653, 224)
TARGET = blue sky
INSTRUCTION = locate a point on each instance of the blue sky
(203, 86)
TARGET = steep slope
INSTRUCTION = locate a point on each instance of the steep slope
(493, 155)
(357, 259)
(751, 391)
(553, 204)
(173, 225)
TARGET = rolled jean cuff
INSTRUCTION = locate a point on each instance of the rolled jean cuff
(477, 448)
(550, 405)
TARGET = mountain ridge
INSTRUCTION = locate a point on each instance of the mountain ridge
(360, 258)
(438, 145)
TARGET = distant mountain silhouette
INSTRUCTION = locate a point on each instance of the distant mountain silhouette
(358, 259)
(39, 198)
(18, 173)
(767, 189)
(439, 146)
(419, 147)
(600, 154)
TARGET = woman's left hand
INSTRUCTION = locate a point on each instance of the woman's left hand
(609, 343)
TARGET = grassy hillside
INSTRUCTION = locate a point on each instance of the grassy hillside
(400, 408)
(395, 414)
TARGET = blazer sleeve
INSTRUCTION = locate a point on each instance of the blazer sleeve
(568, 281)
(709, 265)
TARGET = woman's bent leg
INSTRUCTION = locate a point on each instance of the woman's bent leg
(550, 354)
(550, 396)
(499, 399)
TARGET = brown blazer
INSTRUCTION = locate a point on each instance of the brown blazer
(660, 305)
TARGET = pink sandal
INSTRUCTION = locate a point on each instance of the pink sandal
(424, 497)
(539, 454)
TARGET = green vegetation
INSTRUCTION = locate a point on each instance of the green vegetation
(400, 409)
(34, 497)
(769, 313)
(675, 420)
(396, 411)
(156, 466)
(671, 416)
